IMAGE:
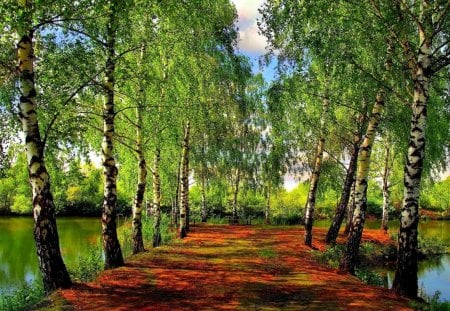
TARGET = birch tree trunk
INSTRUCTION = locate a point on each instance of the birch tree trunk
(138, 204)
(385, 190)
(235, 196)
(184, 185)
(267, 210)
(405, 280)
(350, 208)
(203, 190)
(345, 195)
(111, 246)
(314, 181)
(157, 200)
(348, 261)
(176, 201)
(53, 271)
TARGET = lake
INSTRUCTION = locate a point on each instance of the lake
(434, 275)
(18, 259)
(19, 265)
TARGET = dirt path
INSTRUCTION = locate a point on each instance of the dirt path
(231, 268)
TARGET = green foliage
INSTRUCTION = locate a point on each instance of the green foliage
(331, 256)
(89, 266)
(286, 204)
(370, 277)
(267, 254)
(218, 220)
(15, 191)
(435, 196)
(167, 233)
(431, 246)
(22, 204)
(22, 299)
(432, 303)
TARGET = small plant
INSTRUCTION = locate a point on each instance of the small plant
(431, 303)
(431, 246)
(89, 265)
(370, 277)
(22, 298)
(267, 253)
(217, 220)
(331, 256)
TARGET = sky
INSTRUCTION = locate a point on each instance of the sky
(250, 42)
(253, 45)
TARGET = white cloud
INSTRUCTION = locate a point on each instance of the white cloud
(250, 41)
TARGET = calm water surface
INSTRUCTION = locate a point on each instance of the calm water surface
(434, 275)
(18, 259)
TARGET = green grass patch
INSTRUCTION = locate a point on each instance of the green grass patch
(22, 298)
(267, 253)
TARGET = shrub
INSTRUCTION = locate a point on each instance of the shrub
(331, 256)
(89, 266)
(370, 277)
(22, 298)
(431, 246)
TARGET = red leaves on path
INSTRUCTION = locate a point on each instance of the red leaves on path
(233, 268)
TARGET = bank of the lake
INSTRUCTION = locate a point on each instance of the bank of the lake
(434, 273)
(18, 259)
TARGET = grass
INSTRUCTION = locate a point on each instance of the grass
(267, 254)
(332, 256)
(430, 303)
(89, 266)
(23, 298)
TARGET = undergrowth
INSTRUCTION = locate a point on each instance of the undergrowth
(431, 303)
(333, 254)
(22, 298)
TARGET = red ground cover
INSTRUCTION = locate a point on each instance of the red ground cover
(220, 267)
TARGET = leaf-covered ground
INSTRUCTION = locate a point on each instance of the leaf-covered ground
(222, 267)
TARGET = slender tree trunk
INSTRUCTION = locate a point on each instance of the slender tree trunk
(345, 195)
(53, 271)
(184, 186)
(175, 205)
(203, 190)
(349, 259)
(157, 200)
(111, 246)
(314, 181)
(350, 208)
(386, 192)
(267, 210)
(138, 204)
(235, 195)
(405, 280)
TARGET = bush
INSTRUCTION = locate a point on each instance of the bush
(431, 303)
(331, 256)
(22, 204)
(89, 266)
(125, 236)
(370, 277)
(431, 246)
(23, 298)
(289, 219)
